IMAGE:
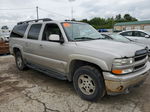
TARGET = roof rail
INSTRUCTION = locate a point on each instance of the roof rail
(36, 20)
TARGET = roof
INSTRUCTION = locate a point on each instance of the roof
(133, 23)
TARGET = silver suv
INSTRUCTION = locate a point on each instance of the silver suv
(76, 52)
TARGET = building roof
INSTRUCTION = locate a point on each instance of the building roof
(133, 23)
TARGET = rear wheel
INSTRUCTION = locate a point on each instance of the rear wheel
(89, 83)
(19, 61)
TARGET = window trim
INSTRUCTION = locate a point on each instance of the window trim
(44, 26)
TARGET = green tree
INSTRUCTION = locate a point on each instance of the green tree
(128, 17)
(118, 17)
(99, 22)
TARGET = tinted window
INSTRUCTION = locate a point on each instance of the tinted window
(142, 34)
(136, 33)
(19, 30)
(139, 34)
(51, 29)
(129, 33)
(34, 31)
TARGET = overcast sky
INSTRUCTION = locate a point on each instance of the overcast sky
(61, 9)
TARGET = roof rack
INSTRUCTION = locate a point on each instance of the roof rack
(36, 20)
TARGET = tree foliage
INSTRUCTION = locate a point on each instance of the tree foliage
(107, 23)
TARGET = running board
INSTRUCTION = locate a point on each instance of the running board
(48, 72)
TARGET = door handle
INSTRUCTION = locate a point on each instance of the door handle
(41, 46)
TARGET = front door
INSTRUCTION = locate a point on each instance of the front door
(53, 54)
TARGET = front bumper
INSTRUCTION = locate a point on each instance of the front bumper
(116, 84)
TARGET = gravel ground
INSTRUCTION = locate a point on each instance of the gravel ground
(32, 91)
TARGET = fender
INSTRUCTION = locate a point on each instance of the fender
(90, 59)
(19, 47)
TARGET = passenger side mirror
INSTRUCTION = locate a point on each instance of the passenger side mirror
(147, 36)
(55, 38)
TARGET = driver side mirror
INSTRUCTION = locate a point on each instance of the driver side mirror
(147, 36)
(55, 38)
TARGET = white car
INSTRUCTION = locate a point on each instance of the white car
(4, 37)
(140, 36)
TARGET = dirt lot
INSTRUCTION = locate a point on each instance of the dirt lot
(32, 91)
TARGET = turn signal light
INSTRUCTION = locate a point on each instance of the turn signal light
(117, 71)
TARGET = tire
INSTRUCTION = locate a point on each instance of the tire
(89, 83)
(19, 61)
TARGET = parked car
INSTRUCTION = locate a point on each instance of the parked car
(120, 38)
(137, 35)
(116, 37)
(4, 37)
(77, 52)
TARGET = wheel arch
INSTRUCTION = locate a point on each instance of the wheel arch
(77, 61)
(16, 48)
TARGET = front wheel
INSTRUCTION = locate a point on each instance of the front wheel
(89, 83)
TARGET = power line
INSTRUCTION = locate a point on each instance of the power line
(17, 9)
(37, 11)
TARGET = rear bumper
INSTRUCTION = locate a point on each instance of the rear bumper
(120, 84)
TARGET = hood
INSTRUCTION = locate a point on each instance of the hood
(113, 47)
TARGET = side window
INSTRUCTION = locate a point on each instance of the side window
(142, 34)
(18, 31)
(129, 33)
(51, 29)
(34, 31)
(136, 33)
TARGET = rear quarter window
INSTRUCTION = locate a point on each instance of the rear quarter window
(18, 31)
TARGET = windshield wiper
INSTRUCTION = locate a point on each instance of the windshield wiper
(84, 38)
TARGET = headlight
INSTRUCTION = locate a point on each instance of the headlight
(119, 63)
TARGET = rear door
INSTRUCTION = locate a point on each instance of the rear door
(31, 48)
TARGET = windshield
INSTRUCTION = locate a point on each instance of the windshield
(81, 31)
(119, 38)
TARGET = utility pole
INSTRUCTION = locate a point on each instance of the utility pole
(71, 9)
(37, 12)
(72, 13)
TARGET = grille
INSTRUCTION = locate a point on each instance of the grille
(139, 56)
(149, 52)
(141, 52)
(139, 67)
